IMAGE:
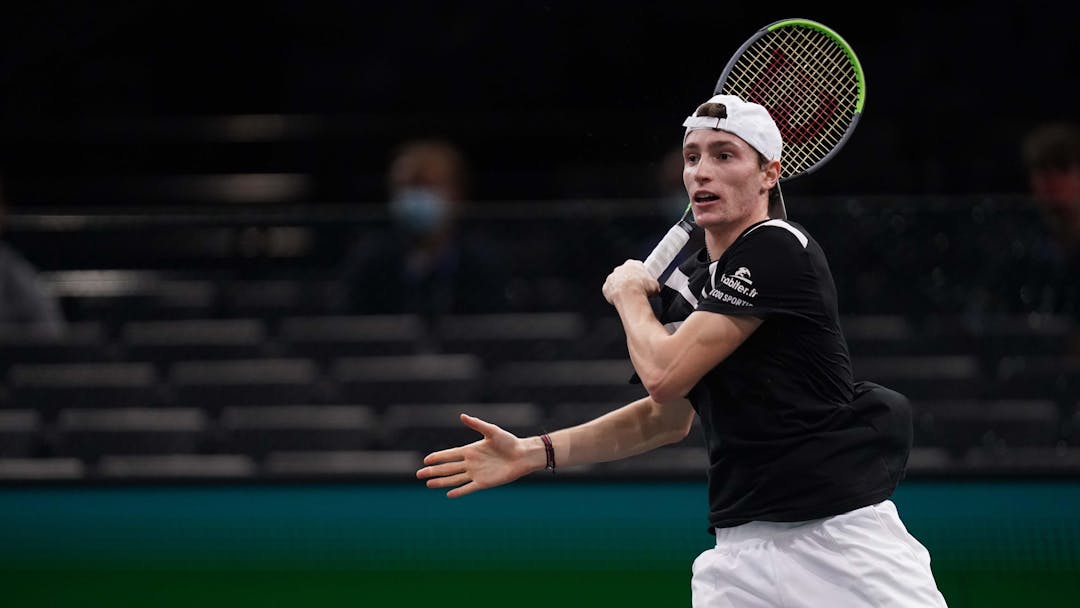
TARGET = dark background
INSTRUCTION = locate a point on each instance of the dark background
(549, 99)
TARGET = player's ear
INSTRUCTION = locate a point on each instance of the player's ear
(772, 174)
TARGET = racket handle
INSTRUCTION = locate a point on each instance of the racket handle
(668, 247)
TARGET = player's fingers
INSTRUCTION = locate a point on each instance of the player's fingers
(446, 482)
(447, 455)
(478, 425)
(463, 490)
(442, 470)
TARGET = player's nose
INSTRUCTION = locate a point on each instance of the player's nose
(700, 174)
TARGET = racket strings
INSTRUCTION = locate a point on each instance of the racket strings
(809, 85)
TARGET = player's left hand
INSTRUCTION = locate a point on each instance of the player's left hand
(628, 278)
(498, 458)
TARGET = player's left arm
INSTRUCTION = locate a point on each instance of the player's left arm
(669, 365)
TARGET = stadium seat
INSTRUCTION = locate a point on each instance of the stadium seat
(216, 384)
(549, 382)
(931, 460)
(330, 464)
(117, 296)
(1028, 335)
(52, 386)
(1039, 377)
(41, 469)
(274, 298)
(90, 433)
(1023, 463)
(164, 342)
(604, 339)
(944, 377)
(878, 335)
(1072, 429)
(327, 337)
(961, 425)
(380, 381)
(497, 338)
(258, 430)
(81, 342)
(175, 467)
(21, 433)
(545, 293)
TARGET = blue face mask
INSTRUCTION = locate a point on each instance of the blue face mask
(419, 210)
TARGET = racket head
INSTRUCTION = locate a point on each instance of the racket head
(810, 81)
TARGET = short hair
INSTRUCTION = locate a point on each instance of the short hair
(430, 160)
(712, 110)
(1052, 147)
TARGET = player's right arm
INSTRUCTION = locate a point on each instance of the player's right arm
(500, 457)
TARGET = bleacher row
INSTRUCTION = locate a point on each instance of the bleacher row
(368, 395)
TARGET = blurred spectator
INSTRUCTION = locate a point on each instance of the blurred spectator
(1034, 266)
(25, 301)
(1051, 154)
(427, 263)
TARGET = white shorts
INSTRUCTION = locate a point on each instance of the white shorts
(864, 557)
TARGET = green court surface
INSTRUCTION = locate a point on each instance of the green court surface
(539, 543)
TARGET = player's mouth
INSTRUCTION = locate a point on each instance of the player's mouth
(703, 197)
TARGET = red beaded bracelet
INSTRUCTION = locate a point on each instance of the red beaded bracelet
(549, 450)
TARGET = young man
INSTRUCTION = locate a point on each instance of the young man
(802, 459)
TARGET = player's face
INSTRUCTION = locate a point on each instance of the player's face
(723, 178)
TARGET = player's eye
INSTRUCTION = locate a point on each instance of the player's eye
(723, 156)
(691, 158)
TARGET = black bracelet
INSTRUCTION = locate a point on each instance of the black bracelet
(549, 450)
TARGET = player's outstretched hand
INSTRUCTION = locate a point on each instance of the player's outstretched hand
(498, 458)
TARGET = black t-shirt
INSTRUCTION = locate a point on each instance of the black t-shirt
(790, 435)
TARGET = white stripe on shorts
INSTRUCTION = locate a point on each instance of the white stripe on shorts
(864, 557)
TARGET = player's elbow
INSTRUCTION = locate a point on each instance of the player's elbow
(666, 377)
(679, 430)
(654, 385)
(664, 395)
(662, 390)
(673, 421)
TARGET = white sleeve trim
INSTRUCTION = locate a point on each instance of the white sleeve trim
(786, 226)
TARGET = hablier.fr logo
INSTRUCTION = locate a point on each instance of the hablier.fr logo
(739, 282)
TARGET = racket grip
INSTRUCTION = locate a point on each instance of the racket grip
(668, 247)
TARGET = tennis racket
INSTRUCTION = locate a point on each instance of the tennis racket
(813, 86)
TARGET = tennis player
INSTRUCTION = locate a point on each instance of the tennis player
(802, 459)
